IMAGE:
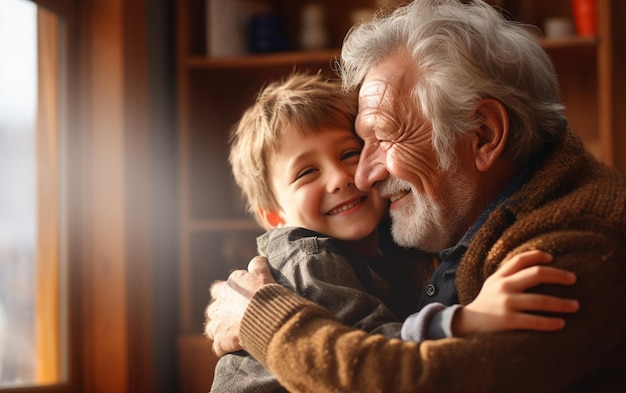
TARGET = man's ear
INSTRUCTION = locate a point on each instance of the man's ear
(272, 219)
(491, 135)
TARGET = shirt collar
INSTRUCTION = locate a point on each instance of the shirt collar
(456, 252)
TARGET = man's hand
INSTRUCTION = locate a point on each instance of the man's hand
(504, 304)
(229, 302)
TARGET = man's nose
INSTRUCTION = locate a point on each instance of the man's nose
(371, 169)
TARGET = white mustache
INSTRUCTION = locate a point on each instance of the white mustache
(392, 185)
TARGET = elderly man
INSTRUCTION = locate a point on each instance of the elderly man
(464, 132)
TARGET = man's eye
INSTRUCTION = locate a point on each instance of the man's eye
(384, 144)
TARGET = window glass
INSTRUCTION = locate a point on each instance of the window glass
(30, 283)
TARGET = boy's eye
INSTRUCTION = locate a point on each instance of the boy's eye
(350, 154)
(305, 172)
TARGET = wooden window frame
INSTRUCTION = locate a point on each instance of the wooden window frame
(107, 195)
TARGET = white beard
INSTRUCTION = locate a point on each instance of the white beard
(424, 223)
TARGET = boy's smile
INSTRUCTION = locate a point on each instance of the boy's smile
(346, 206)
(312, 175)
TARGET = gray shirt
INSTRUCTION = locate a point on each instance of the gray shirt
(325, 271)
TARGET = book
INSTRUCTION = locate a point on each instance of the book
(227, 25)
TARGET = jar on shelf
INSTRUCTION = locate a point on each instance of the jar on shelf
(313, 33)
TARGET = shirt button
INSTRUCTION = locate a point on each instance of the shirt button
(431, 290)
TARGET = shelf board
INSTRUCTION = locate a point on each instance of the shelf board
(328, 55)
(264, 60)
(573, 43)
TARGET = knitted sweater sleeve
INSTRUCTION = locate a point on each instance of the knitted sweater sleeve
(278, 317)
(270, 308)
(309, 351)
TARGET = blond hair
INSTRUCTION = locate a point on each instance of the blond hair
(300, 103)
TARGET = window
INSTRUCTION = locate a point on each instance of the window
(32, 286)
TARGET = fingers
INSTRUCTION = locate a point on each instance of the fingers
(536, 275)
(524, 260)
(221, 345)
(229, 301)
(504, 304)
(543, 303)
(259, 268)
(524, 271)
(208, 328)
(536, 322)
(209, 325)
(216, 288)
(258, 265)
(515, 315)
(217, 350)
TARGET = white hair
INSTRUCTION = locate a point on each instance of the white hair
(464, 53)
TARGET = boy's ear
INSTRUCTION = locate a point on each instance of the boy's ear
(272, 218)
(491, 135)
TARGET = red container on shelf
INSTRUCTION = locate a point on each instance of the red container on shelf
(585, 17)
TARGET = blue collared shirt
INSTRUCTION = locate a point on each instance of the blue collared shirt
(442, 286)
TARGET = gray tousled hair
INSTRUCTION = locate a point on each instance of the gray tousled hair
(464, 53)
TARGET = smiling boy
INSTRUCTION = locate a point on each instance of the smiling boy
(294, 154)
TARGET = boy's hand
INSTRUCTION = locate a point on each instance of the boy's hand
(502, 303)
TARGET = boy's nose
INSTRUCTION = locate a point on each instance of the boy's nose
(340, 179)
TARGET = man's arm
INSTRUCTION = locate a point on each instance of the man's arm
(230, 300)
(501, 305)
(308, 351)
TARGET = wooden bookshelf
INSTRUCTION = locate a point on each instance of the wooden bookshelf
(216, 236)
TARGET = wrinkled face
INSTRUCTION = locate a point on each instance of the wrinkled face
(428, 205)
(313, 179)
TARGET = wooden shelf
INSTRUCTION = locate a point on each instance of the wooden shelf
(263, 60)
(574, 43)
(306, 57)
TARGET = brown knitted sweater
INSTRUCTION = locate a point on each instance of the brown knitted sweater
(574, 208)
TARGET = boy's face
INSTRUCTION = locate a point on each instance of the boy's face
(313, 179)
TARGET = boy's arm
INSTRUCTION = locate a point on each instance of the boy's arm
(502, 304)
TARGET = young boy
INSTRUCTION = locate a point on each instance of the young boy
(294, 155)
